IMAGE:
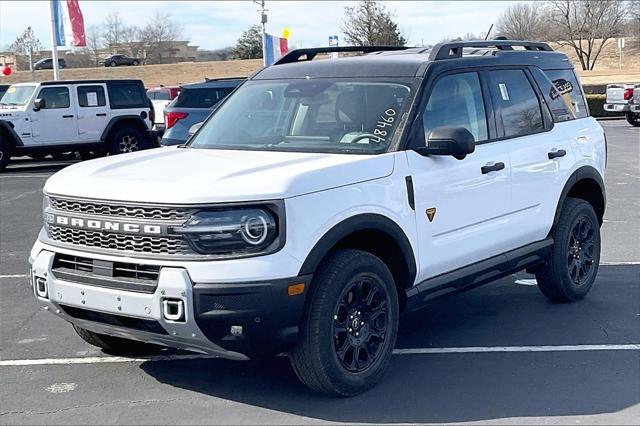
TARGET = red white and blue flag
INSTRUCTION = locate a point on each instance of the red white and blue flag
(68, 23)
(274, 48)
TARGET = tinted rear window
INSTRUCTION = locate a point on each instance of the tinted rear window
(569, 88)
(127, 95)
(202, 97)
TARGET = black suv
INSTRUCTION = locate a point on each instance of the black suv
(117, 60)
(47, 64)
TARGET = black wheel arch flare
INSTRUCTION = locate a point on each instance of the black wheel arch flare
(585, 177)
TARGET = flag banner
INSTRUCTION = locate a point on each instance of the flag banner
(69, 24)
(275, 48)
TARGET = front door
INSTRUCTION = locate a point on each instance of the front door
(93, 112)
(462, 206)
(55, 123)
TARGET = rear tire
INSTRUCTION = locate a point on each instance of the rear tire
(127, 139)
(116, 345)
(350, 325)
(571, 270)
(633, 118)
(5, 152)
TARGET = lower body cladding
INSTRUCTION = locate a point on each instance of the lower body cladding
(231, 320)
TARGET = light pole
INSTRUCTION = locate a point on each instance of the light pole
(263, 20)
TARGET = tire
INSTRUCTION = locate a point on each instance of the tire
(571, 270)
(116, 345)
(135, 63)
(127, 139)
(112, 64)
(328, 356)
(633, 118)
(5, 152)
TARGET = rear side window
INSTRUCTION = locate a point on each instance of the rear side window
(160, 95)
(456, 100)
(127, 95)
(569, 88)
(561, 106)
(91, 96)
(516, 103)
(55, 97)
(201, 97)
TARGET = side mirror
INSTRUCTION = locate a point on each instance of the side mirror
(193, 129)
(449, 140)
(38, 104)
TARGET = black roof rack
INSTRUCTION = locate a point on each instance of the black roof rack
(453, 49)
(309, 54)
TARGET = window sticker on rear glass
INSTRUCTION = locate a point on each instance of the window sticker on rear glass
(384, 126)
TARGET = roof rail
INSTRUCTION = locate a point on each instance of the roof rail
(295, 55)
(453, 49)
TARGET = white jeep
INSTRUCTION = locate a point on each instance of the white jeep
(324, 198)
(54, 117)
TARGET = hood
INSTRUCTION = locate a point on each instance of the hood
(190, 176)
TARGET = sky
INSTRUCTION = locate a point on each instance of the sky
(217, 24)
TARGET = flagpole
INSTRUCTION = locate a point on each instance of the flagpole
(54, 42)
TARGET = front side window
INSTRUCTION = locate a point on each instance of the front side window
(55, 97)
(570, 90)
(91, 96)
(321, 115)
(456, 100)
(17, 95)
(516, 102)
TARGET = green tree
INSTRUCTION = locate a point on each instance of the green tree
(249, 45)
(369, 23)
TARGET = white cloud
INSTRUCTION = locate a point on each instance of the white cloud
(215, 24)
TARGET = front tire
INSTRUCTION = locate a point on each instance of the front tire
(116, 345)
(127, 140)
(350, 325)
(571, 270)
(633, 118)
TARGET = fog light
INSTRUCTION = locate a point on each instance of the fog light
(236, 330)
(173, 309)
(41, 287)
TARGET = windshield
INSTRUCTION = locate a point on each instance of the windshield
(322, 115)
(17, 95)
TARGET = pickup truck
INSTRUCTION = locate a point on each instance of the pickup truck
(624, 98)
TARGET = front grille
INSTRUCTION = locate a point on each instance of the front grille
(120, 210)
(100, 273)
(165, 245)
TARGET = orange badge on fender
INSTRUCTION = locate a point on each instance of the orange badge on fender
(431, 213)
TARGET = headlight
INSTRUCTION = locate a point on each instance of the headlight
(232, 232)
(46, 203)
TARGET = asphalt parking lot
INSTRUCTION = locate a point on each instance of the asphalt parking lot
(498, 354)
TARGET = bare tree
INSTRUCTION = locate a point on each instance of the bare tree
(523, 21)
(369, 23)
(26, 44)
(113, 29)
(587, 26)
(157, 37)
(94, 43)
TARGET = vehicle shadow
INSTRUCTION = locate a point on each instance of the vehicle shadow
(446, 388)
(27, 165)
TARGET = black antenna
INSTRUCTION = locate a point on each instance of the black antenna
(486, 37)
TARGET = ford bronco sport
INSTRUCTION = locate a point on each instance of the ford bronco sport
(324, 198)
(53, 117)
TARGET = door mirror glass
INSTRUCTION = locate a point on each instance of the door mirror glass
(38, 104)
(193, 129)
(449, 140)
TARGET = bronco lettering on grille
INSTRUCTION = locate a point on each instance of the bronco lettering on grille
(103, 225)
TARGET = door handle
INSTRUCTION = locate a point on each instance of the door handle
(492, 168)
(557, 154)
(67, 116)
(101, 114)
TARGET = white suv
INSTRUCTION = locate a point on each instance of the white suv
(109, 116)
(324, 198)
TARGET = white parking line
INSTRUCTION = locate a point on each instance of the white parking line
(415, 351)
(14, 276)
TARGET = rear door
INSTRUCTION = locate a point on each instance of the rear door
(93, 111)
(462, 206)
(56, 122)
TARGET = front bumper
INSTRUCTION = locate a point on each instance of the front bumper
(263, 317)
(616, 107)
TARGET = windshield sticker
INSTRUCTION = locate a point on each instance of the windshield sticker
(384, 125)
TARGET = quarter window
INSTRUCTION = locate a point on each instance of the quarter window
(91, 96)
(456, 100)
(127, 95)
(55, 97)
(570, 90)
(516, 102)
